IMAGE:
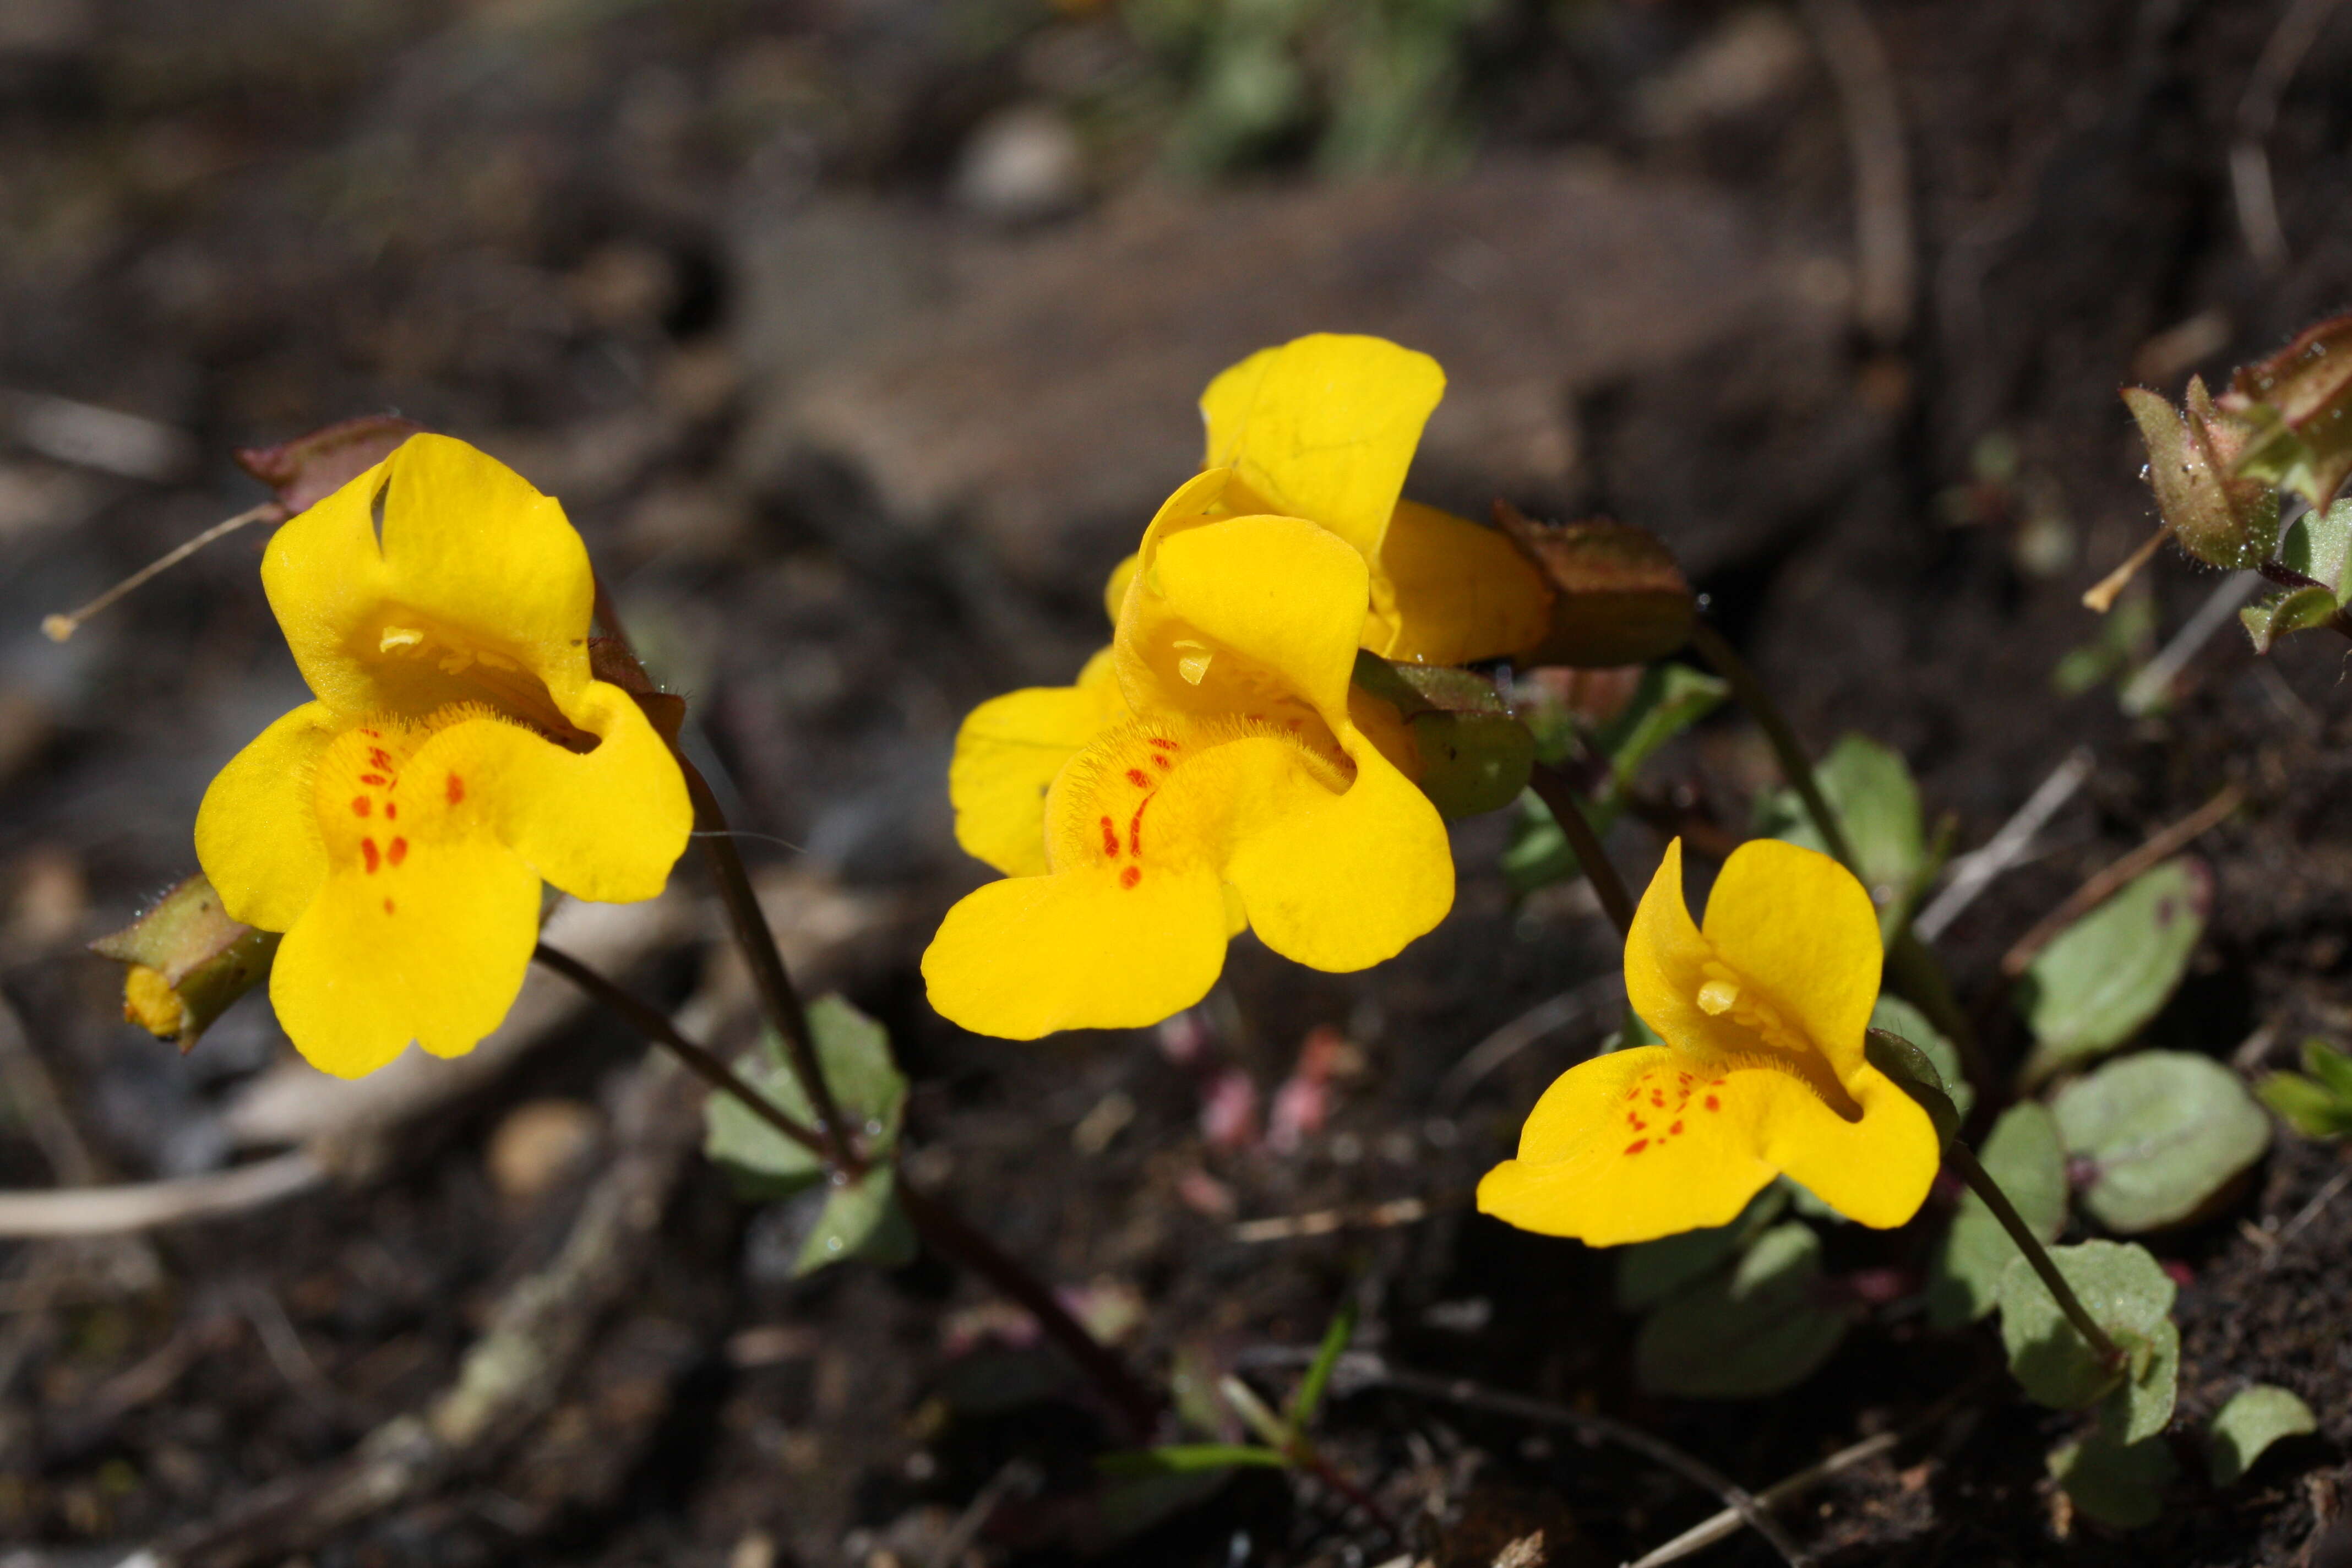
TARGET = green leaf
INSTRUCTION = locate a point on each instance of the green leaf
(2305, 1106)
(1650, 1271)
(2117, 1484)
(2319, 1105)
(854, 1053)
(1869, 787)
(2254, 1418)
(1751, 1332)
(2320, 545)
(1669, 700)
(1189, 1458)
(2163, 1132)
(2101, 979)
(2330, 1066)
(2023, 1157)
(861, 1219)
(2130, 1296)
(1309, 1397)
(2281, 614)
(1896, 1016)
(1915, 1074)
(1472, 764)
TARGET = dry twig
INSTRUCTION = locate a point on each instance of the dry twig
(1884, 266)
(1971, 874)
(2104, 883)
(2249, 163)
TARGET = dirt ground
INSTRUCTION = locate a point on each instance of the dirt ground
(856, 419)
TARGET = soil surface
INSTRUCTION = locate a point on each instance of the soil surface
(854, 433)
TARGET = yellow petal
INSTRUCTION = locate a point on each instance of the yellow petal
(1876, 1170)
(1650, 1142)
(1341, 882)
(606, 825)
(257, 830)
(1324, 427)
(1242, 614)
(1115, 585)
(479, 588)
(1665, 967)
(435, 954)
(1006, 756)
(1446, 591)
(1801, 929)
(1029, 955)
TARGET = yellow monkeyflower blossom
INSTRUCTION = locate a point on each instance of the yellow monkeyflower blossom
(1763, 1012)
(397, 827)
(1324, 429)
(1237, 789)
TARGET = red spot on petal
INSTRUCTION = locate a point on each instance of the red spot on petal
(1676, 1130)
(1111, 838)
(1658, 1098)
(455, 789)
(392, 811)
(397, 852)
(1131, 877)
(374, 779)
(1716, 1084)
(1135, 827)
(1139, 778)
(1637, 1145)
(368, 854)
(1638, 1124)
(359, 806)
(1161, 760)
(380, 757)
(387, 906)
(1713, 1103)
(1165, 744)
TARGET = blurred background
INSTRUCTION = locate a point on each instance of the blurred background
(860, 339)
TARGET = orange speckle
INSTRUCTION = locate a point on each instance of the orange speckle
(1713, 1103)
(374, 779)
(1637, 1145)
(392, 811)
(1676, 1130)
(1111, 838)
(1165, 744)
(367, 852)
(380, 757)
(1633, 1119)
(397, 851)
(1161, 760)
(1131, 877)
(1658, 1098)
(1135, 827)
(455, 789)
(387, 906)
(359, 806)
(1716, 1084)
(1139, 778)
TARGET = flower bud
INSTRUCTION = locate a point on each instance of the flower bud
(188, 961)
(2193, 465)
(2295, 410)
(1619, 596)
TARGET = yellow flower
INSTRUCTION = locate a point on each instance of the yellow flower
(1239, 789)
(1324, 427)
(396, 829)
(1763, 1013)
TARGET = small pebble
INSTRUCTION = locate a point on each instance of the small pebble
(540, 1143)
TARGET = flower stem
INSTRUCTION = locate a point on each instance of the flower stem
(1795, 765)
(950, 1233)
(1913, 968)
(652, 1022)
(1980, 1183)
(940, 1224)
(1559, 796)
(778, 1000)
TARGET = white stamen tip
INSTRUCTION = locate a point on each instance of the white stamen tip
(1717, 995)
(398, 636)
